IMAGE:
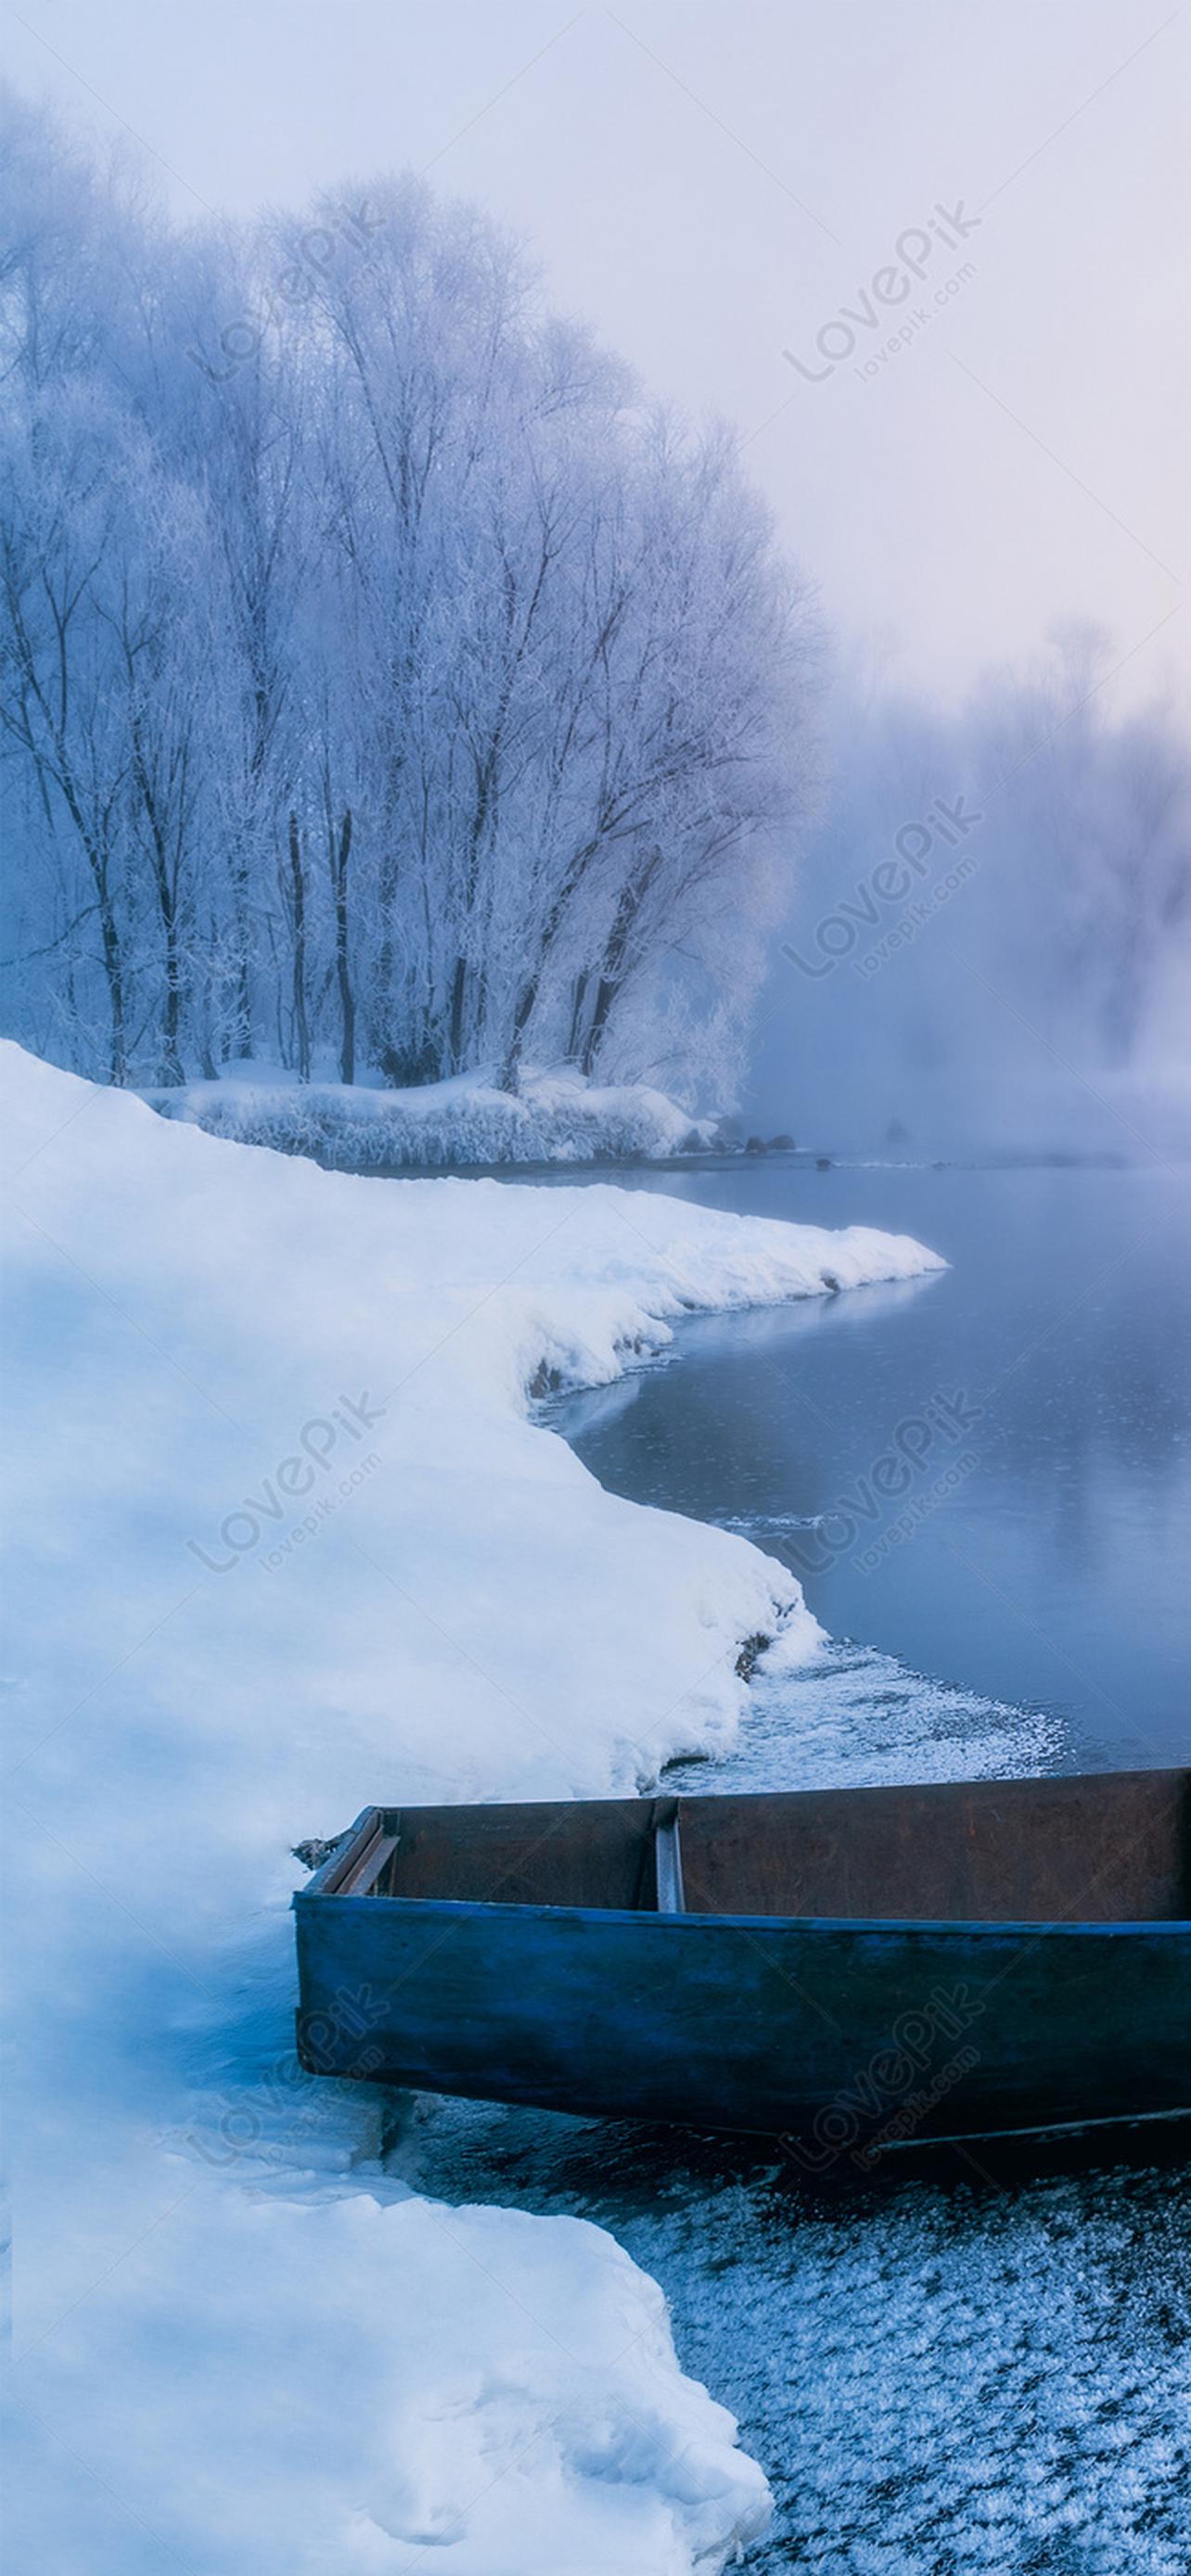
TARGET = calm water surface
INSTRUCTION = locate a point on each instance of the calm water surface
(1039, 1551)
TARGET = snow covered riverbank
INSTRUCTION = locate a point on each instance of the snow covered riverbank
(362, 1127)
(285, 1538)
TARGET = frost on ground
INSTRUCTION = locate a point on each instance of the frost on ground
(949, 2378)
(969, 2382)
(284, 1539)
(552, 1118)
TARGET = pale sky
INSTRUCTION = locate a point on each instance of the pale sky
(711, 184)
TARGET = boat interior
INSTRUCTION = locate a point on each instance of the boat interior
(1110, 1847)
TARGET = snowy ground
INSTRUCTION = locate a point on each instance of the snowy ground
(361, 1127)
(285, 1538)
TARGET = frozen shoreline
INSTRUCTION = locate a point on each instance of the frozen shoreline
(286, 1537)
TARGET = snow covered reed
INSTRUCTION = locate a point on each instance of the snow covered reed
(551, 1118)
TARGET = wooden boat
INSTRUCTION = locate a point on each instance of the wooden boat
(852, 1968)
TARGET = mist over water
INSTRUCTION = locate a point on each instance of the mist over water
(990, 943)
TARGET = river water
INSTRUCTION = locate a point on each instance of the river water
(1047, 1566)
(984, 2364)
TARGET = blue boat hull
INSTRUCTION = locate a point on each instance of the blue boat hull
(844, 2036)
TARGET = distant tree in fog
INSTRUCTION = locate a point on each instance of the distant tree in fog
(1044, 944)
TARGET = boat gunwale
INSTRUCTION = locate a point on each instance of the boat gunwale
(1028, 1926)
(353, 1845)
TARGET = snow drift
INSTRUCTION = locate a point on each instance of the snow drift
(284, 1538)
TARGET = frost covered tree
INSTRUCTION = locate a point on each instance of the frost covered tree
(384, 687)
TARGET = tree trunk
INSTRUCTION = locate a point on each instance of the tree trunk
(578, 1007)
(172, 1067)
(113, 963)
(241, 1045)
(522, 1015)
(298, 899)
(113, 955)
(606, 992)
(455, 1023)
(347, 999)
(612, 962)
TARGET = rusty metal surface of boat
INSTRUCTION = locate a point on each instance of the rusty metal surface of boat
(842, 1966)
